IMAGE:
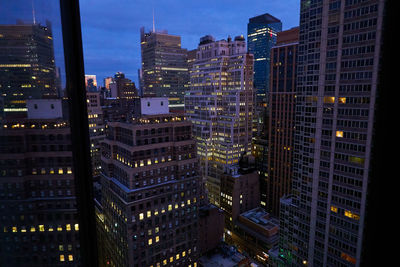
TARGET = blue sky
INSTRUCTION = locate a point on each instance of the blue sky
(110, 28)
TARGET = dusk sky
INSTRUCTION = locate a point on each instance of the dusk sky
(110, 28)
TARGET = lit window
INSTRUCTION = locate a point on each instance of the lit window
(61, 248)
(148, 214)
(141, 216)
(60, 171)
(76, 227)
(334, 209)
(339, 134)
(157, 239)
(150, 241)
(41, 228)
(62, 258)
(70, 257)
(68, 227)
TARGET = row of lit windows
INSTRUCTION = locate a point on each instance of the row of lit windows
(40, 228)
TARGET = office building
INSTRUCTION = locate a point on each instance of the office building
(122, 87)
(261, 37)
(39, 224)
(220, 106)
(96, 129)
(150, 190)
(27, 66)
(338, 62)
(164, 71)
(281, 119)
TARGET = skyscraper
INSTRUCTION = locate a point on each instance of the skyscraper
(338, 61)
(164, 67)
(281, 108)
(151, 189)
(37, 192)
(122, 87)
(261, 37)
(27, 68)
(220, 106)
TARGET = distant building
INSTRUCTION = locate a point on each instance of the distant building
(91, 83)
(220, 106)
(164, 71)
(261, 37)
(27, 68)
(122, 87)
(96, 129)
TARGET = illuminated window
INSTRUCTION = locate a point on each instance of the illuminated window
(33, 229)
(157, 239)
(169, 207)
(69, 170)
(60, 171)
(342, 100)
(141, 216)
(61, 248)
(334, 209)
(329, 99)
(171, 259)
(41, 228)
(150, 241)
(76, 227)
(62, 258)
(177, 256)
(68, 227)
(70, 257)
(339, 134)
(148, 214)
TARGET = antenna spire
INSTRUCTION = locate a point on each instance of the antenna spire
(154, 27)
(33, 13)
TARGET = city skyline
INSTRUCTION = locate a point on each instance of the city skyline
(105, 54)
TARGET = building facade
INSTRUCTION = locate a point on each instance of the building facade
(37, 192)
(338, 61)
(27, 66)
(150, 192)
(281, 119)
(220, 106)
(261, 37)
(164, 70)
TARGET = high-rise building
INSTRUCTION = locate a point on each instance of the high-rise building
(122, 87)
(39, 224)
(90, 79)
(164, 71)
(27, 67)
(277, 182)
(96, 129)
(151, 189)
(338, 62)
(220, 106)
(261, 37)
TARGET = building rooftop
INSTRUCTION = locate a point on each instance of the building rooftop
(264, 18)
(225, 256)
